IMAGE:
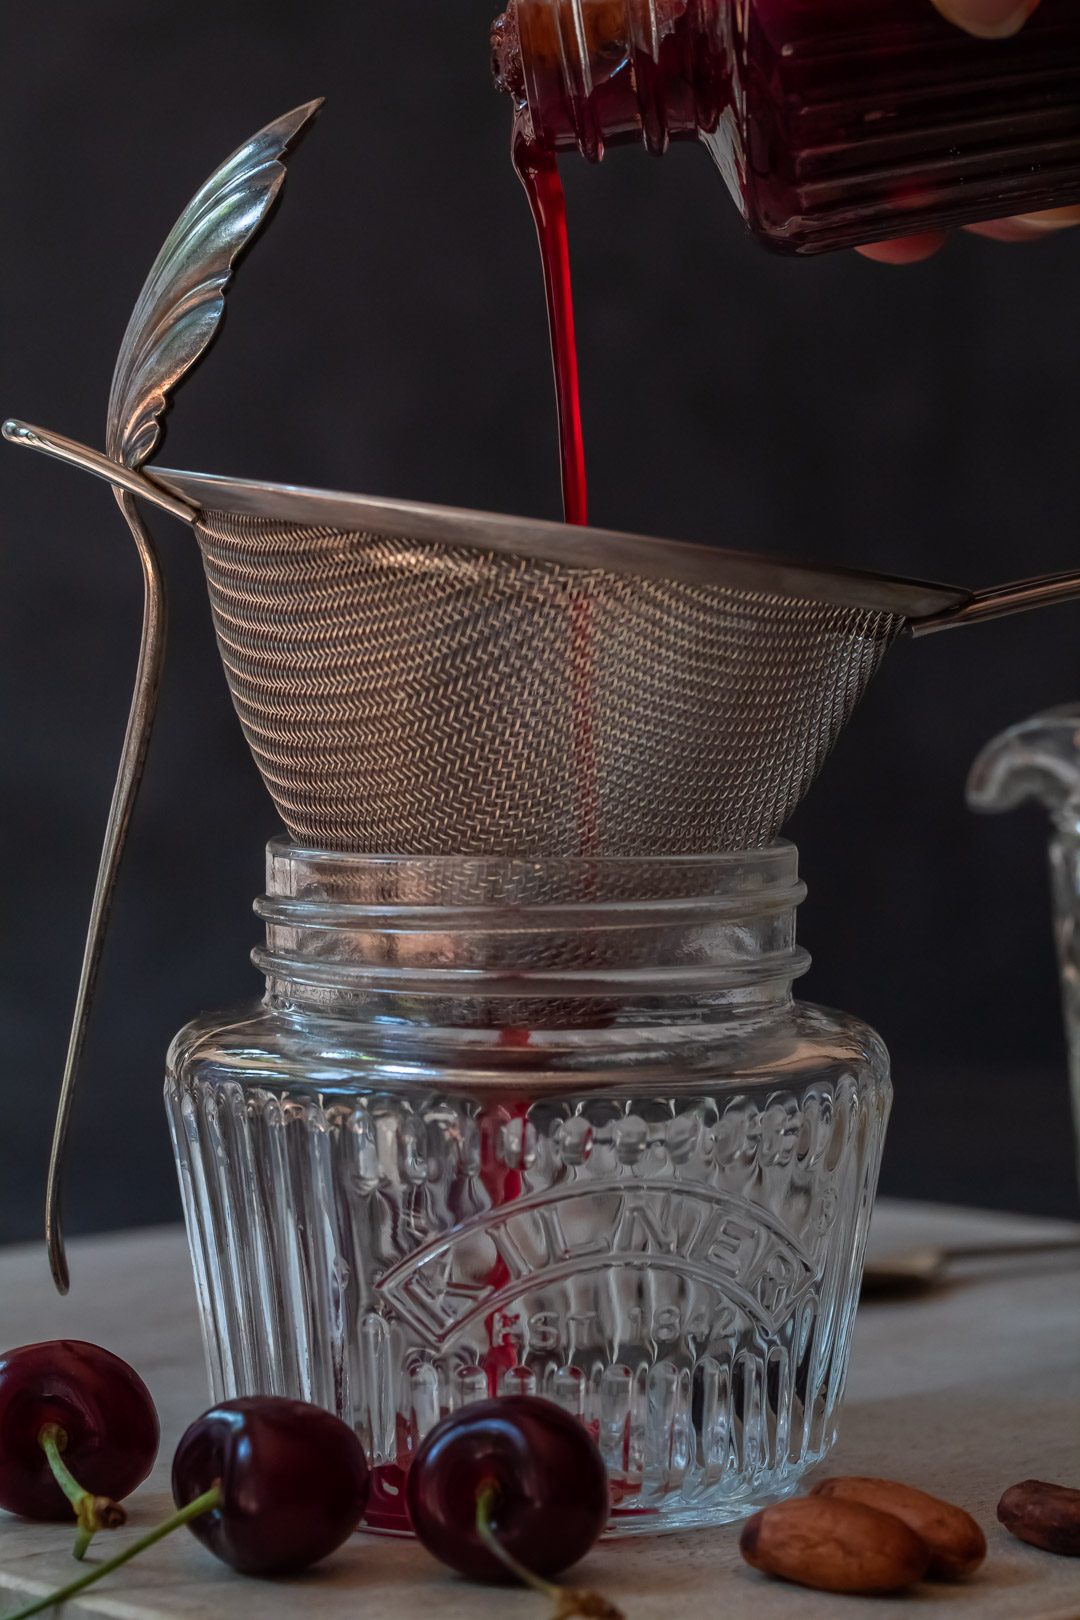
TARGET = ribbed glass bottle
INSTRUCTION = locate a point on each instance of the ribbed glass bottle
(833, 122)
(550, 1126)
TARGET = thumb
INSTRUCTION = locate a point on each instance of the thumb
(989, 19)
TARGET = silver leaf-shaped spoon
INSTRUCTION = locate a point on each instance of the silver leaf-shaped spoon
(182, 301)
(177, 316)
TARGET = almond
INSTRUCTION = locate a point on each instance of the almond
(1048, 1516)
(957, 1545)
(834, 1546)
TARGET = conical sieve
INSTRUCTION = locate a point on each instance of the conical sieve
(422, 680)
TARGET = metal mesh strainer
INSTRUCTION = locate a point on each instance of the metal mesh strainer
(418, 680)
(427, 699)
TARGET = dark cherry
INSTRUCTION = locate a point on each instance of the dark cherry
(269, 1485)
(293, 1482)
(545, 1478)
(109, 1426)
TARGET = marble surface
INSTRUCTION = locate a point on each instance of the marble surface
(962, 1392)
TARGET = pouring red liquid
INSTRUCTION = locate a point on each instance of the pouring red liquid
(538, 172)
(835, 123)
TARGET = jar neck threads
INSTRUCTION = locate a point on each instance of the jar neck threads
(509, 943)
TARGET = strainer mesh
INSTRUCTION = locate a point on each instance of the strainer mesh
(410, 697)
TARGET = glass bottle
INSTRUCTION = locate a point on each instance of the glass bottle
(833, 122)
(1039, 759)
(538, 1125)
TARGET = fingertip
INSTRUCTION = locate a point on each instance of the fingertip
(1001, 230)
(904, 249)
(988, 19)
(1026, 227)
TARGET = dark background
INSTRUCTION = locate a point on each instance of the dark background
(389, 337)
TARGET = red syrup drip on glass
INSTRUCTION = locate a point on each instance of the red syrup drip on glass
(503, 1185)
(386, 1511)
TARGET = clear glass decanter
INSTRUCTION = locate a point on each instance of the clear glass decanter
(555, 1126)
(833, 122)
(1039, 760)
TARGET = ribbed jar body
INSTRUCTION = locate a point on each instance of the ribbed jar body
(834, 122)
(552, 1126)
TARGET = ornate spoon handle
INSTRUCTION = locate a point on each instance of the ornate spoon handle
(174, 322)
(140, 723)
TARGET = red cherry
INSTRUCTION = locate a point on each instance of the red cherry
(293, 1482)
(541, 1471)
(109, 1426)
(269, 1485)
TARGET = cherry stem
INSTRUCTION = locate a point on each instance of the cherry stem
(92, 1513)
(568, 1600)
(205, 1503)
(487, 1499)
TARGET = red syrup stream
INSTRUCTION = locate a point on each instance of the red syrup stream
(536, 167)
(538, 171)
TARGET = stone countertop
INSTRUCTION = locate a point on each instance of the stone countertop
(963, 1392)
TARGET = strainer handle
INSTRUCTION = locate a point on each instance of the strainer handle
(997, 603)
(78, 455)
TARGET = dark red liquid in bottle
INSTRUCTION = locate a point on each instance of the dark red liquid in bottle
(835, 123)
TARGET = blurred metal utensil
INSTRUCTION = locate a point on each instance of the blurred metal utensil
(921, 1269)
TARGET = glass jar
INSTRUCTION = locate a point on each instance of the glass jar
(833, 122)
(555, 1126)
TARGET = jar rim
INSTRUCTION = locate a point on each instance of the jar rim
(535, 934)
(779, 851)
(301, 878)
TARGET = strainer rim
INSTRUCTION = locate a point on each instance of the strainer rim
(609, 551)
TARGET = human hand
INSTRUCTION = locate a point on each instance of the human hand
(988, 19)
